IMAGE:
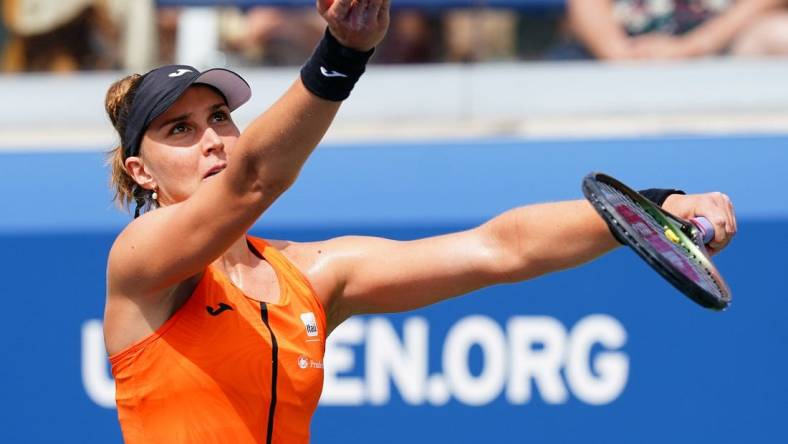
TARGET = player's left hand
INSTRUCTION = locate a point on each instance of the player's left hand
(356, 24)
(716, 207)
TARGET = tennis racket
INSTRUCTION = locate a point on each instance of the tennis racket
(674, 247)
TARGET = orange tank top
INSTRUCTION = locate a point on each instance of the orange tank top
(226, 368)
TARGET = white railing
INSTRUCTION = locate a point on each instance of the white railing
(529, 99)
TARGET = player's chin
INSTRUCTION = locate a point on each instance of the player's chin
(210, 177)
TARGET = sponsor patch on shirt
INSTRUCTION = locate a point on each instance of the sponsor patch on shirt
(304, 362)
(310, 323)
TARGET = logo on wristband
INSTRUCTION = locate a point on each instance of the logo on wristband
(327, 73)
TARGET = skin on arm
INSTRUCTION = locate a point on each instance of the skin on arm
(718, 33)
(593, 22)
(357, 275)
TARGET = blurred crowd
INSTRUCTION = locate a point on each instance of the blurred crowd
(72, 35)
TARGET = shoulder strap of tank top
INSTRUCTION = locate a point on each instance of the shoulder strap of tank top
(280, 262)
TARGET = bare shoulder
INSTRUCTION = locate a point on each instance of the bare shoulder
(304, 255)
(128, 298)
(133, 312)
(121, 259)
(319, 261)
(129, 258)
(311, 255)
(323, 264)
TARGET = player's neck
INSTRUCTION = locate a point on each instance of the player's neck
(237, 256)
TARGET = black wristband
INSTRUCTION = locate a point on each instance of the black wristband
(333, 69)
(659, 195)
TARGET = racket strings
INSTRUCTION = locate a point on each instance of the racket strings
(706, 278)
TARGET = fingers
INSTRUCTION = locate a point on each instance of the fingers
(718, 209)
(322, 6)
(357, 24)
(359, 13)
(725, 206)
(373, 8)
(335, 12)
(383, 12)
(720, 230)
(731, 213)
(354, 15)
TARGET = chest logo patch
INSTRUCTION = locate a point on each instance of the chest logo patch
(304, 362)
(310, 323)
(217, 311)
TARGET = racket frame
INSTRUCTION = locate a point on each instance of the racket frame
(688, 237)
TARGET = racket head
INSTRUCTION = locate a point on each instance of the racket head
(667, 243)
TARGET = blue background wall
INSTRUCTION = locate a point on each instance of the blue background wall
(693, 375)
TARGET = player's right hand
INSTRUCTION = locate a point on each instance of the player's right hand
(716, 207)
(356, 24)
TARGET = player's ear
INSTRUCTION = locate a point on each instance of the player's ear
(136, 169)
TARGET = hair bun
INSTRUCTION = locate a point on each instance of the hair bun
(118, 100)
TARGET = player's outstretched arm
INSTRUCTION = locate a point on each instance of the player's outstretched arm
(356, 275)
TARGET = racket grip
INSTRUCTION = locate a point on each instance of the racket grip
(705, 227)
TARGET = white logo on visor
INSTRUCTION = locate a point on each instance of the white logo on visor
(180, 72)
(310, 323)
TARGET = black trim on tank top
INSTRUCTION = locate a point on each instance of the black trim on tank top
(274, 355)
(274, 371)
(253, 249)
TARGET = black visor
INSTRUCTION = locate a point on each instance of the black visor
(163, 86)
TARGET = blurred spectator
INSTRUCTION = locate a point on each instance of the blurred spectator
(69, 35)
(52, 35)
(675, 29)
(480, 34)
(271, 36)
(167, 25)
(3, 32)
(135, 31)
(413, 37)
(57, 35)
(537, 33)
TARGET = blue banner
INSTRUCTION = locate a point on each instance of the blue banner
(607, 352)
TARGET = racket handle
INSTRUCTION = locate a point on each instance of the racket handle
(705, 227)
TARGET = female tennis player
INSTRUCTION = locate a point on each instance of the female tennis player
(215, 336)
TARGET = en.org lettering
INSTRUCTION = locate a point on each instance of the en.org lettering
(528, 356)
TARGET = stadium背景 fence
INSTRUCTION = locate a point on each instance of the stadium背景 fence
(524, 5)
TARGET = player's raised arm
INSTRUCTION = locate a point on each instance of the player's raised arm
(182, 154)
(280, 140)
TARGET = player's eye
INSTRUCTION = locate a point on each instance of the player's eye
(179, 128)
(220, 116)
